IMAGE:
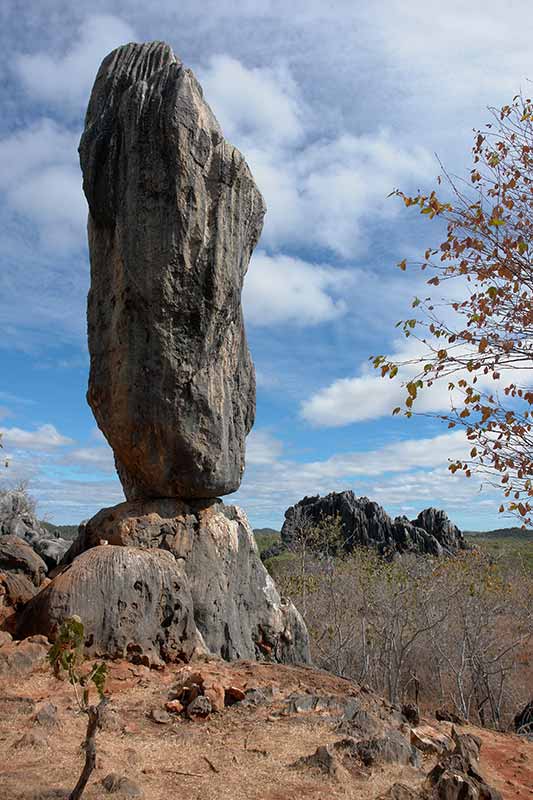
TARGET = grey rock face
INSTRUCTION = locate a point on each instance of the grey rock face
(51, 550)
(134, 604)
(236, 605)
(174, 217)
(17, 518)
(365, 523)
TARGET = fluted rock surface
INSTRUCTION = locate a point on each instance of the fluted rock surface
(236, 606)
(174, 215)
(133, 603)
(365, 523)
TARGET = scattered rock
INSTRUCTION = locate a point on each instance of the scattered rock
(18, 659)
(174, 707)
(121, 785)
(5, 638)
(215, 693)
(301, 703)
(523, 721)
(234, 695)
(392, 748)
(429, 740)
(51, 550)
(445, 715)
(411, 713)
(457, 776)
(174, 215)
(199, 708)
(366, 523)
(160, 716)
(46, 715)
(257, 697)
(359, 723)
(16, 589)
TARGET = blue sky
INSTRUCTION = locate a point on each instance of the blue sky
(333, 105)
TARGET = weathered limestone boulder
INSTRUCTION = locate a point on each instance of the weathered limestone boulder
(134, 604)
(236, 605)
(17, 556)
(365, 523)
(174, 215)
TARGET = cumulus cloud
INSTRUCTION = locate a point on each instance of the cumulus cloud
(45, 437)
(41, 181)
(65, 80)
(413, 471)
(330, 193)
(262, 448)
(319, 188)
(369, 396)
(254, 103)
(281, 289)
(95, 458)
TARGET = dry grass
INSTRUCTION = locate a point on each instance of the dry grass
(239, 754)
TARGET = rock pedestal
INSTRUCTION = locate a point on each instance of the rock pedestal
(173, 578)
(174, 215)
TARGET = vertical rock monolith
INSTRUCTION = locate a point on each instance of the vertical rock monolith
(174, 215)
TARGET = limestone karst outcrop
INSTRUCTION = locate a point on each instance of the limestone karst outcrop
(174, 214)
(365, 523)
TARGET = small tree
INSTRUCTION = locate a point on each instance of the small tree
(482, 344)
(66, 655)
(311, 539)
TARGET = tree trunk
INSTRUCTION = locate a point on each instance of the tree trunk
(89, 745)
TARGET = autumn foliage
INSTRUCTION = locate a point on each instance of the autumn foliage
(481, 344)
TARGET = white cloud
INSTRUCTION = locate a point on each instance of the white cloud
(253, 103)
(319, 189)
(97, 458)
(41, 180)
(65, 80)
(328, 193)
(262, 448)
(281, 289)
(395, 475)
(369, 396)
(44, 438)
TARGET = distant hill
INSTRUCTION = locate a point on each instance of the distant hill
(266, 537)
(503, 533)
(64, 531)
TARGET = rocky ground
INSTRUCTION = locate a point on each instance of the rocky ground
(262, 746)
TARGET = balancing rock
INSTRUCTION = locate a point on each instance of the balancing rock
(174, 215)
